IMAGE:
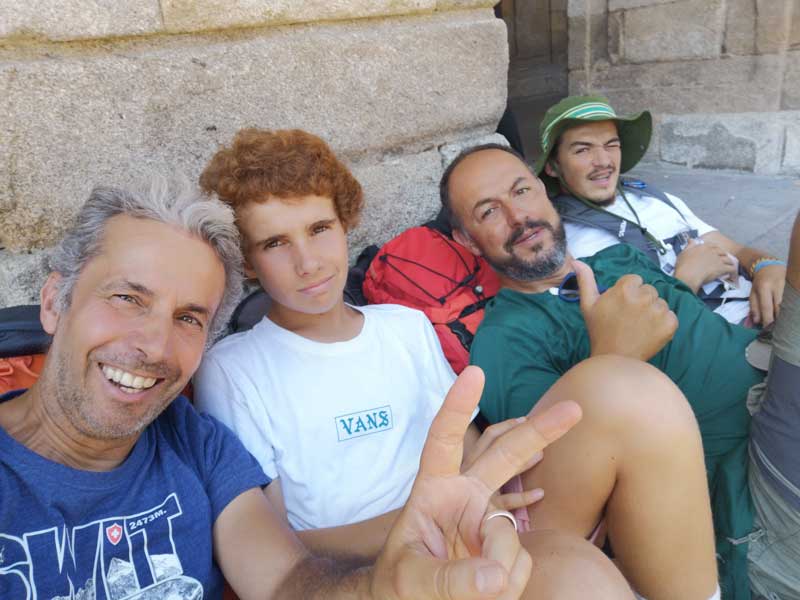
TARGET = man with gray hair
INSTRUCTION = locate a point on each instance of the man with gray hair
(112, 486)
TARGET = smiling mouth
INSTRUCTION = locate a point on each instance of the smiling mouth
(128, 382)
(314, 287)
(527, 236)
(601, 176)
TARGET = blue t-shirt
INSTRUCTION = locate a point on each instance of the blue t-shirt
(141, 531)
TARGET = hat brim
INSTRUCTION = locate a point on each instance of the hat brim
(635, 133)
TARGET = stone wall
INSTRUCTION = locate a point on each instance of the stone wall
(722, 77)
(102, 92)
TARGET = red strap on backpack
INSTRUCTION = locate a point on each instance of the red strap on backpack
(19, 372)
(424, 269)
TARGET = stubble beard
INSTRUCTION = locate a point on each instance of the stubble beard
(75, 403)
(541, 265)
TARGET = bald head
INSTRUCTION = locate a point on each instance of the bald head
(500, 210)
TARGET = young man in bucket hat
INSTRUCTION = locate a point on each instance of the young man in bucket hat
(552, 313)
(585, 147)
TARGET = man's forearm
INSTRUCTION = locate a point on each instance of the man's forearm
(362, 539)
(315, 578)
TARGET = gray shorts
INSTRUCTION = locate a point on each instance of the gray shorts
(774, 551)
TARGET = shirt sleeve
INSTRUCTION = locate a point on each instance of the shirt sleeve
(439, 375)
(694, 221)
(226, 468)
(583, 241)
(517, 374)
(232, 399)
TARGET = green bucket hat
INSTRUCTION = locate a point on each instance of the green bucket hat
(634, 131)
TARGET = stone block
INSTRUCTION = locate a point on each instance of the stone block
(21, 277)
(616, 29)
(679, 30)
(597, 48)
(744, 142)
(731, 84)
(790, 163)
(400, 191)
(740, 28)
(194, 15)
(627, 4)
(791, 82)
(580, 8)
(461, 4)
(64, 20)
(536, 80)
(448, 152)
(559, 39)
(773, 30)
(531, 36)
(794, 34)
(199, 15)
(367, 87)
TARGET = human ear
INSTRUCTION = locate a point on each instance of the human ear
(463, 238)
(551, 168)
(49, 311)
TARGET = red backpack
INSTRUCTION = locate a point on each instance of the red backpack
(422, 268)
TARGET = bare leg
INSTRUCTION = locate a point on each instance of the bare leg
(636, 457)
(570, 568)
(793, 270)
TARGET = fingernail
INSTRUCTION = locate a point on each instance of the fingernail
(489, 579)
(536, 494)
(537, 457)
(521, 419)
(555, 420)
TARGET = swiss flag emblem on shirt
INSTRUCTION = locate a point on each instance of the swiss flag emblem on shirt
(114, 533)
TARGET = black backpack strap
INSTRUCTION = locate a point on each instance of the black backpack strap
(643, 188)
(464, 335)
(354, 288)
(573, 210)
(21, 331)
(441, 223)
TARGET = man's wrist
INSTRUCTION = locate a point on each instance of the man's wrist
(765, 261)
(685, 278)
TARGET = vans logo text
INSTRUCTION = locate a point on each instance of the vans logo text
(372, 420)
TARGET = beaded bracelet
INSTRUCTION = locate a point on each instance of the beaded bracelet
(765, 261)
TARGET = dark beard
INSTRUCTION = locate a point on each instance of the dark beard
(604, 203)
(540, 266)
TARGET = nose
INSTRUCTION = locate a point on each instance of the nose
(601, 156)
(515, 215)
(154, 337)
(306, 259)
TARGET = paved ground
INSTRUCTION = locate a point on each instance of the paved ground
(756, 210)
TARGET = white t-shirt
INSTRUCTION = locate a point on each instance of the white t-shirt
(341, 424)
(663, 222)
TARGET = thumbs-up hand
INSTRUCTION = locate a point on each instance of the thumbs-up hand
(628, 319)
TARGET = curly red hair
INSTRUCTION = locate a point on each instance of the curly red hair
(288, 163)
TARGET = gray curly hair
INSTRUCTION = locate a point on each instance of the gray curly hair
(174, 202)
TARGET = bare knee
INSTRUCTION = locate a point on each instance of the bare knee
(623, 396)
(568, 567)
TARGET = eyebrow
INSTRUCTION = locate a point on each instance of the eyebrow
(581, 143)
(278, 236)
(130, 285)
(483, 201)
(197, 309)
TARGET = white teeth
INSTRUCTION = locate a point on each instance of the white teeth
(132, 382)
